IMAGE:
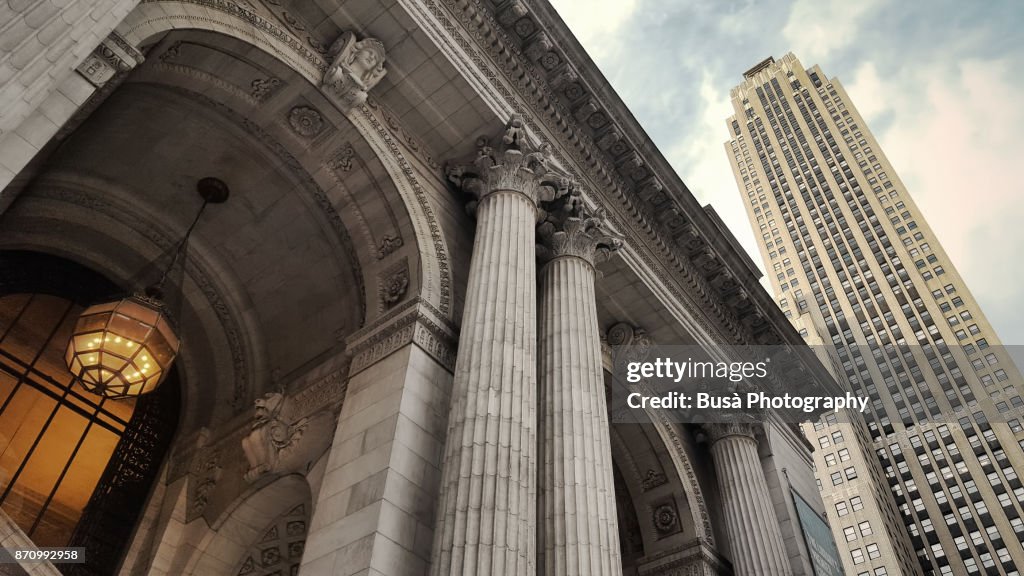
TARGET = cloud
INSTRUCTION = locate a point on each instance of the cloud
(954, 143)
(945, 112)
(596, 23)
(868, 93)
(816, 28)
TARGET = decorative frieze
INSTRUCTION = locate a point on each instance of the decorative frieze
(113, 55)
(412, 321)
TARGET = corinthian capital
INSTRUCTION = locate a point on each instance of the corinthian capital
(513, 165)
(718, 431)
(356, 67)
(570, 229)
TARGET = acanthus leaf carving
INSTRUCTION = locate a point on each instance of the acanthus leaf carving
(570, 229)
(515, 164)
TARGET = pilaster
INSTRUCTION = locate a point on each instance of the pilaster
(374, 510)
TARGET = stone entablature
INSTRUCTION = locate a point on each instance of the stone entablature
(556, 83)
(414, 321)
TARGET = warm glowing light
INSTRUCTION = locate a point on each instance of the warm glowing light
(122, 349)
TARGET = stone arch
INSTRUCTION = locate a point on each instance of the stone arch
(305, 58)
(662, 513)
(656, 487)
(208, 298)
(239, 529)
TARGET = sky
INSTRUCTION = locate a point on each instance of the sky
(938, 82)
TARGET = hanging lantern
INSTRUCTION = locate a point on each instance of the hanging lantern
(122, 349)
(125, 348)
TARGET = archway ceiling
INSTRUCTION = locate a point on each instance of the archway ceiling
(428, 96)
(152, 145)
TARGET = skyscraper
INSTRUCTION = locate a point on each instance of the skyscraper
(854, 264)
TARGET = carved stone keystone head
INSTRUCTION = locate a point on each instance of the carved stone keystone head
(356, 67)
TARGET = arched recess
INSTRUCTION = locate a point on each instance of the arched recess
(358, 196)
(661, 508)
(298, 57)
(77, 468)
(238, 534)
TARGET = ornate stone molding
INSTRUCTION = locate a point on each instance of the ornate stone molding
(282, 440)
(554, 87)
(653, 479)
(696, 558)
(306, 121)
(722, 430)
(665, 518)
(377, 130)
(414, 321)
(570, 229)
(356, 67)
(242, 21)
(514, 165)
(394, 283)
(113, 56)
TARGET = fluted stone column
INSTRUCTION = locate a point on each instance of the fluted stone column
(578, 528)
(755, 538)
(487, 512)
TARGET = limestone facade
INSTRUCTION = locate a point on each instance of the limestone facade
(395, 331)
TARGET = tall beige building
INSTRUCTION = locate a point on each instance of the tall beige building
(854, 265)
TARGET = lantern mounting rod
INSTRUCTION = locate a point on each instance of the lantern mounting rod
(212, 191)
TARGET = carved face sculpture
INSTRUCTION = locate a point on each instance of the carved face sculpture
(366, 63)
(267, 406)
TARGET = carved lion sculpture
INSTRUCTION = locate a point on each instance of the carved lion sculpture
(282, 442)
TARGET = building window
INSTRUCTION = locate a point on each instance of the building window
(57, 437)
(842, 509)
(865, 528)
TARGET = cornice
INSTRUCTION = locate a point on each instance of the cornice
(569, 99)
